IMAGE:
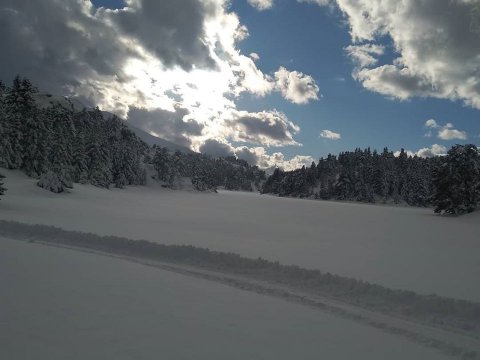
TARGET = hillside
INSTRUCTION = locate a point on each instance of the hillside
(52, 140)
(46, 100)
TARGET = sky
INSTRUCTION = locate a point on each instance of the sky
(274, 82)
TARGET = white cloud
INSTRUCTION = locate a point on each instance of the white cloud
(444, 132)
(408, 152)
(452, 134)
(296, 86)
(258, 156)
(328, 134)
(318, 2)
(261, 4)
(434, 150)
(365, 55)
(435, 42)
(268, 4)
(255, 155)
(254, 56)
(431, 123)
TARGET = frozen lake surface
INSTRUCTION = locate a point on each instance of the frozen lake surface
(399, 247)
(61, 304)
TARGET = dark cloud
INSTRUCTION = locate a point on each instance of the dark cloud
(172, 30)
(169, 125)
(71, 47)
(216, 148)
(270, 128)
(247, 154)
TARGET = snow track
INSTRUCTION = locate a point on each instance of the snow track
(397, 247)
(451, 343)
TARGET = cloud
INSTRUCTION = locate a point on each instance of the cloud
(258, 156)
(175, 126)
(365, 55)
(250, 78)
(268, 4)
(147, 61)
(444, 132)
(452, 134)
(318, 2)
(217, 148)
(261, 4)
(434, 150)
(159, 30)
(328, 134)
(394, 82)
(254, 56)
(431, 123)
(296, 86)
(436, 47)
(270, 128)
(255, 155)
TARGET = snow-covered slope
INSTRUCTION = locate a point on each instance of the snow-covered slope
(154, 140)
(399, 247)
(62, 304)
(45, 100)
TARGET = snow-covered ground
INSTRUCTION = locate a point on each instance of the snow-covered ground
(400, 247)
(62, 304)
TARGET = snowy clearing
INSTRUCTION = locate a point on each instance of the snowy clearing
(398, 247)
(58, 303)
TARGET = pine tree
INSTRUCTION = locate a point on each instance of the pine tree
(79, 159)
(2, 187)
(35, 146)
(163, 166)
(99, 166)
(17, 105)
(6, 151)
(457, 181)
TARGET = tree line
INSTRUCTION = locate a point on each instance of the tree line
(61, 146)
(450, 183)
(206, 172)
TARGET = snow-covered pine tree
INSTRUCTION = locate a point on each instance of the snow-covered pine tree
(35, 145)
(6, 152)
(457, 181)
(126, 154)
(2, 187)
(98, 151)
(61, 139)
(51, 181)
(99, 165)
(17, 104)
(79, 158)
(163, 166)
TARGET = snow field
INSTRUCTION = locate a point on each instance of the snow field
(63, 304)
(398, 247)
